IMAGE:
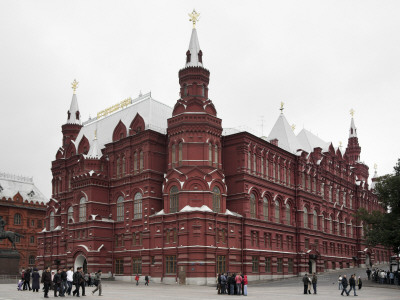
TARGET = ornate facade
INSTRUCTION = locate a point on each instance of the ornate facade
(166, 192)
(23, 207)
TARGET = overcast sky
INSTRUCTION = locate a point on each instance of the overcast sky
(321, 58)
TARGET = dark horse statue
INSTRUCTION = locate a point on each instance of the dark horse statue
(10, 236)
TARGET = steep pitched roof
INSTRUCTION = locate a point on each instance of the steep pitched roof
(353, 129)
(73, 110)
(194, 48)
(283, 132)
(309, 141)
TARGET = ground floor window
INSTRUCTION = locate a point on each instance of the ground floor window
(280, 265)
(290, 265)
(31, 260)
(170, 264)
(254, 261)
(137, 266)
(119, 266)
(221, 264)
(267, 265)
(333, 265)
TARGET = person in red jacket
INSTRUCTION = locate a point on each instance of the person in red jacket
(137, 279)
(245, 282)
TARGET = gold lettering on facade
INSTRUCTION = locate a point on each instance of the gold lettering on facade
(109, 110)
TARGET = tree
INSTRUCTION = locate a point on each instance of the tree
(383, 228)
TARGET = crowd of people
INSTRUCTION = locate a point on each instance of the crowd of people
(353, 281)
(384, 277)
(232, 284)
(61, 282)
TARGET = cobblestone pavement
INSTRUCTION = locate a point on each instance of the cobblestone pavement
(280, 289)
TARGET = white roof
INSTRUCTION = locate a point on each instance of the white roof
(153, 112)
(309, 141)
(283, 132)
(12, 184)
(72, 111)
(194, 48)
(94, 151)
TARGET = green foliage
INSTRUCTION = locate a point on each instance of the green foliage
(383, 228)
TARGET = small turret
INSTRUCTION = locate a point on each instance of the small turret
(353, 149)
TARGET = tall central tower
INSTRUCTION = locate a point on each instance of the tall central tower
(194, 175)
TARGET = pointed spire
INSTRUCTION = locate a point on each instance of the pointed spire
(74, 116)
(94, 151)
(353, 128)
(194, 55)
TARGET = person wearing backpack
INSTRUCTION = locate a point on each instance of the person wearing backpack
(97, 283)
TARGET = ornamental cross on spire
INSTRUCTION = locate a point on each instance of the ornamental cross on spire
(194, 17)
(282, 108)
(74, 85)
(352, 111)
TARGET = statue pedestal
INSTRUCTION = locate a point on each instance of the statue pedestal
(9, 262)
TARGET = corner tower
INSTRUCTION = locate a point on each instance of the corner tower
(194, 175)
(353, 149)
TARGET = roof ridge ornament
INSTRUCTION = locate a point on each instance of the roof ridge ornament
(352, 111)
(74, 85)
(282, 108)
(194, 17)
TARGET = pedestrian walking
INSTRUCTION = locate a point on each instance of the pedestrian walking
(359, 283)
(146, 280)
(70, 279)
(27, 280)
(46, 280)
(368, 273)
(77, 277)
(238, 280)
(314, 282)
(97, 283)
(219, 283)
(223, 284)
(64, 285)
(137, 279)
(344, 285)
(57, 283)
(305, 283)
(82, 282)
(340, 282)
(245, 282)
(352, 283)
(35, 280)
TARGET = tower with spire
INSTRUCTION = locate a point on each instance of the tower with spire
(71, 128)
(194, 137)
(353, 149)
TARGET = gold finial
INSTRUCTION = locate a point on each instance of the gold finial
(375, 167)
(194, 17)
(281, 109)
(74, 85)
(352, 111)
(293, 127)
(340, 144)
(95, 134)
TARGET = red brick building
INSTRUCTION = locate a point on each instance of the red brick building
(145, 188)
(23, 207)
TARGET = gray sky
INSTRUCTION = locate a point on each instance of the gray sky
(321, 58)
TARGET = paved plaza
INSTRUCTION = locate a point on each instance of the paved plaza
(280, 289)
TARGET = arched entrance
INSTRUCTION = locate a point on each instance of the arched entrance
(312, 266)
(367, 260)
(80, 261)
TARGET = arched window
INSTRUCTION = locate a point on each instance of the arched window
(279, 172)
(135, 163)
(120, 208)
(249, 161)
(351, 229)
(289, 177)
(288, 215)
(141, 162)
(322, 190)
(252, 206)
(315, 220)
(254, 163)
(118, 169)
(262, 167)
(180, 154)
(123, 166)
(216, 199)
(137, 206)
(82, 210)
(265, 209)
(174, 199)
(330, 225)
(31, 260)
(305, 217)
(173, 155)
(267, 167)
(210, 154)
(273, 170)
(277, 212)
(330, 194)
(344, 199)
(216, 154)
(323, 223)
(52, 220)
(344, 229)
(70, 215)
(17, 219)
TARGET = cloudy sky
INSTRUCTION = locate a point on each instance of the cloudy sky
(321, 58)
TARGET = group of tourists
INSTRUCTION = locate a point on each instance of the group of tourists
(384, 277)
(308, 281)
(61, 282)
(352, 282)
(232, 284)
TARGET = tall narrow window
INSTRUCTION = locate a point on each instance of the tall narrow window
(330, 225)
(123, 166)
(252, 206)
(254, 163)
(305, 217)
(288, 215)
(262, 166)
(18, 219)
(255, 264)
(210, 154)
(303, 180)
(265, 209)
(249, 161)
(118, 170)
(277, 212)
(216, 199)
(279, 172)
(322, 190)
(137, 209)
(141, 162)
(267, 167)
(82, 210)
(345, 229)
(315, 220)
(216, 154)
(70, 215)
(52, 220)
(135, 162)
(323, 223)
(173, 155)
(69, 180)
(273, 170)
(330, 194)
(289, 178)
(284, 176)
(120, 208)
(344, 199)
(174, 199)
(180, 154)
(221, 262)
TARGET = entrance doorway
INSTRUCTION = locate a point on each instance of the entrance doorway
(312, 266)
(367, 260)
(80, 261)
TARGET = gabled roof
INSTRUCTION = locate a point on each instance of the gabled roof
(12, 184)
(153, 112)
(283, 132)
(309, 141)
